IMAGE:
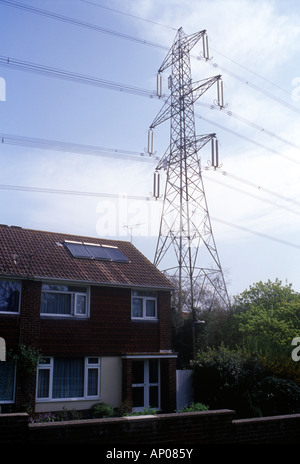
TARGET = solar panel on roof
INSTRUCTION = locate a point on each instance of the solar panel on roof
(116, 255)
(95, 251)
(77, 250)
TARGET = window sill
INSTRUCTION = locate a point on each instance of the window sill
(9, 313)
(65, 317)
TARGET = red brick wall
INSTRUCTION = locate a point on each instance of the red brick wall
(169, 430)
(109, 330)
(164, 315)
(23, 328)
(30, 314)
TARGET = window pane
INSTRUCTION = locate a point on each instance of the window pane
(9, 296)
(68, 378)
(137, 307)
(7, 376)
(150, 308)
(138, 372)
(56, 303)
(43, 383)
(153, 370)
(80, 304)
(138, 397)
(92, 382)
(144, 293)
(77, 289)
(153, 397)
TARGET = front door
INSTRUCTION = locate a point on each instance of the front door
(145, 384)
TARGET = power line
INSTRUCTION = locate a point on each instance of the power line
(8, 139)
(254, 232)
(135, 39)
(72, 192)
(254, 86)
(26, 66)
(215, 65)
(55, 145)
(270, 202)
(136, 197)
(79, 23)
(247, 138)
(130, 15)
(217, 51)
(259, 187)
(252, 124)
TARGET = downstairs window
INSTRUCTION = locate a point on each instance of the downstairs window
(62, 378)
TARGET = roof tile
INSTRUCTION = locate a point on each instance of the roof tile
(41, 254)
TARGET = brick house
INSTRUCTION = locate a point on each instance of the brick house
(99, 314)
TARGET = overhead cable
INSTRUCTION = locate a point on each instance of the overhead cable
(76, 22)
(55, 145)
(94, 81)
(136, 197)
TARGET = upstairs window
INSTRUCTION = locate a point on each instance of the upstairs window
(10, 292)
(63, 300)
(143, 305)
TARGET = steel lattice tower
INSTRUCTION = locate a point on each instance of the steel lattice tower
(186, 247)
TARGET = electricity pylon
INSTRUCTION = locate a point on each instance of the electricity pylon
(186, 247)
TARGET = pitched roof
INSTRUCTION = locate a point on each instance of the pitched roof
(44, 255)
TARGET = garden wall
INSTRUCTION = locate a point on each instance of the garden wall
(205, 427)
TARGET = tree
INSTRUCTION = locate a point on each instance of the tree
(237, 380)
(267, 318)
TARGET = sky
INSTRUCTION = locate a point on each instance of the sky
(80, 75)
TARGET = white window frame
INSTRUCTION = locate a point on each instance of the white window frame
(138, 294)
(20, 295)
(147, 384)
(50, 366)
(74, 296)
(89, 365)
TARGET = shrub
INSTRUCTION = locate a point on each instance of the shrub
(231, 379)
(193, 407)
(278, 396)
(102, 410)
(144, 412)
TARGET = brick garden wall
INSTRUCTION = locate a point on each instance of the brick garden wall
(207, 427)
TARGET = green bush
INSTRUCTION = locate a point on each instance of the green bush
(193, 407)
(279, 396)
(102, 410)
(230, 379)
(145, 412)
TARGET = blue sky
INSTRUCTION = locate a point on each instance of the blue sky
(253, 199)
